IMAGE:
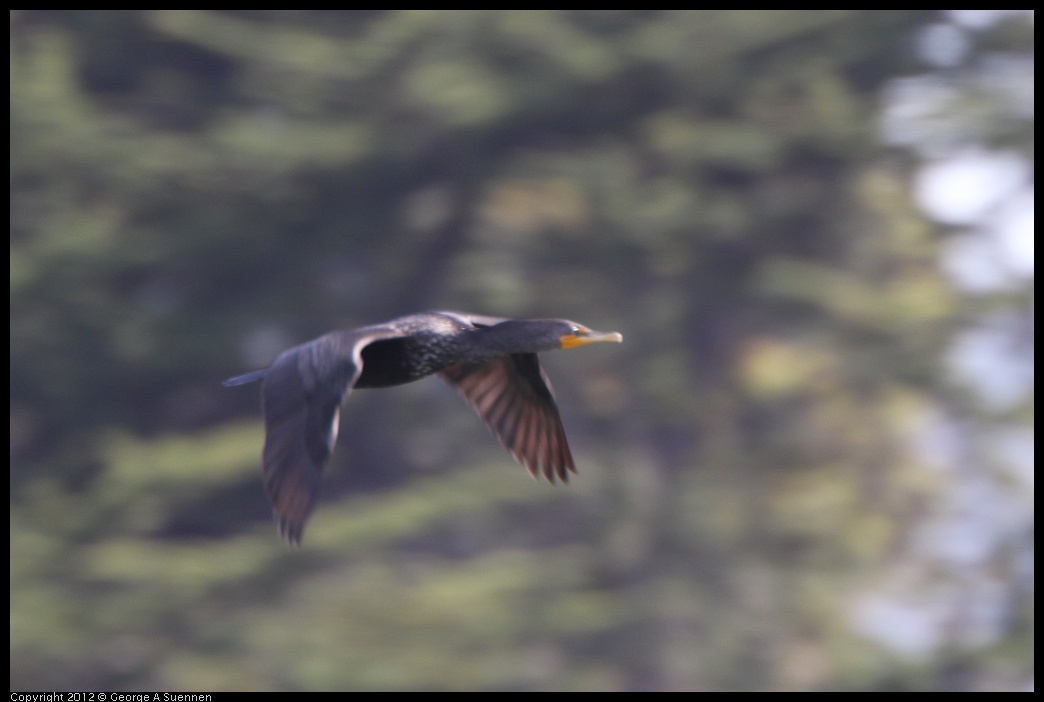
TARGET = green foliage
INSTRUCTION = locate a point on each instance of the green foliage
(194, 191)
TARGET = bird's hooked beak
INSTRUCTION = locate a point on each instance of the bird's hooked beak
(581, 336)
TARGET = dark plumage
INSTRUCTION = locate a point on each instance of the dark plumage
(491, 361)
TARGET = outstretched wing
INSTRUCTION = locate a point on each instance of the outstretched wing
(513, 396)
(476, 320)
(302, 395)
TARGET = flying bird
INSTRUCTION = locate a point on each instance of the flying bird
(492, 361)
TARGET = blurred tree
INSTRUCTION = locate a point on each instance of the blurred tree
(193, 191)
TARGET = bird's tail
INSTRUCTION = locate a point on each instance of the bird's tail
(245, 378)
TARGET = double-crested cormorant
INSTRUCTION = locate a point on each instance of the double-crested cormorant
(491, 361)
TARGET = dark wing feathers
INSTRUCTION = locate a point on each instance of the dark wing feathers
(513, 396)
(476, 320)
(300, 425)
(302, 395)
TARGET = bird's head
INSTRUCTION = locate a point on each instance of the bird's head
(578, 335)
(547, 334)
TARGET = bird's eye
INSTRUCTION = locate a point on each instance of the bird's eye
(575, 331)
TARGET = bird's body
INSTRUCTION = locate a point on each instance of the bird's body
(492, 362)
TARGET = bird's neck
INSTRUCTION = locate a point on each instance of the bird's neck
(508, 337)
